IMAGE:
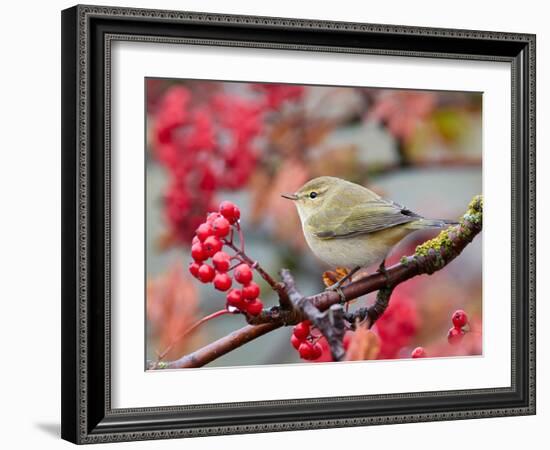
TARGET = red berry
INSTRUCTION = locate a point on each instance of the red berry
(222, 282)
(212, 216)
(301, 331)
(255, 307)
(206, 273)
(418, 352)
(203, 231)
(460, 318)
(212, 245)
(221, 227)
(198, 253)
(221, 261)
(251, 291)
(243, 274)
(230, 211)
(234, 298)
(227, 208)
(195, 240)
(306, 350)
(236, 213)
(454, 336)
(194, 269)
(317, 351)
(295, 341)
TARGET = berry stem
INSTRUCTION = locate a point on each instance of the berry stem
(241, 237)
(237, 264)
(276, 286)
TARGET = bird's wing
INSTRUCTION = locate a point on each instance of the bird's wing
(375, 215)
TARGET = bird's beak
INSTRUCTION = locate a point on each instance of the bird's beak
(290, 196)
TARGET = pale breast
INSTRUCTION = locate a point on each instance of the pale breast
(362, 250)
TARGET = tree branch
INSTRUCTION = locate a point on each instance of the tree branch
(217, 348)
(428, 258)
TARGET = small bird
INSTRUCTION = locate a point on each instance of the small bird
(347, 225)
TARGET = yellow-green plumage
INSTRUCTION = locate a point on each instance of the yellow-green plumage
(347, 225)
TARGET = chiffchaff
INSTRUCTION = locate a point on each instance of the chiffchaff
(347, 225)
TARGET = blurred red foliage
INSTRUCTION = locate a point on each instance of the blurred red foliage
(172, 307)
(207, 143)
(397, 326)
(206, 146)
(277, 94)
(401, 111)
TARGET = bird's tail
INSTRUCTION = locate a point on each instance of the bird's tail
(432, 223)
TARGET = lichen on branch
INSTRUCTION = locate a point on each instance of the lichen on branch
(436, 253)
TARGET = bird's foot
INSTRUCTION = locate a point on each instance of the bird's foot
(336, 287)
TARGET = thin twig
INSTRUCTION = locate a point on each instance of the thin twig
(241, 237)
(218, 348)
(192, 328)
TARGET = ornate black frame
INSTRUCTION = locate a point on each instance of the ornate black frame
(87, 32)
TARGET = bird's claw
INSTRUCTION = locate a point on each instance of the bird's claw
(336, 287)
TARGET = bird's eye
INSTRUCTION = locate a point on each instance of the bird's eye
(312, 194)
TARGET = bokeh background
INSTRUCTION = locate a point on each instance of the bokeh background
(209, 141)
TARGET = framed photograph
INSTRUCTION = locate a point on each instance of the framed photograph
(267, 221)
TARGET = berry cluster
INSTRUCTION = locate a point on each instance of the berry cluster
(456, 333)
(306, 344)
(210, 238)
